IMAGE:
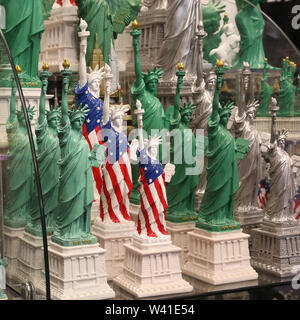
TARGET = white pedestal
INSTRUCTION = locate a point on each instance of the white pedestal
(60, 39)
(32, 97)
(31, 259)
(134, 211)
(219, 257)
(276, 249)
(78, 273)
(12, 250)
(152, 268)
(112, 237)
(179, 236)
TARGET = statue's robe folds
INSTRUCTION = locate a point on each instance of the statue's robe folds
(280, 203)
(182, 187)
(76, 184)
(250, 167)
(20, 184)
(222, 176)
(48, 155)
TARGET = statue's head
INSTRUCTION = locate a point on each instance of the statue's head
(151, 79)
(52, 118)
(186, 112)
(251, 110)
(225, 113)
(94, 78)
(77, 116)
(281, 138)
(212, 16)
(153, 145)
(117, 115)
(211, 79)
(21, 118)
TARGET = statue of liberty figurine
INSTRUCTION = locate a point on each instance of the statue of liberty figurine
(20, 168)
(48, 155)
(144, 89)
(216, 209)
(76, 194)
(266, 93)
(287, 92)
(182, 188)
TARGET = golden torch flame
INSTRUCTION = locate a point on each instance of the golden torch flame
(18, 68)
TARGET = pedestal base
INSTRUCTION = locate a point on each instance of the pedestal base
(219, 257)
(134, 211)
(276, 250)
(31, 259)
(112, 237)
(78, 273)
(179, 236)
(249, 219)
(152, 268)
(12, 250)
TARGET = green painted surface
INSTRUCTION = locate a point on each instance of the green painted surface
(76, 194)
(20, 168)
(24, 28)
(182, 187)
(216, 209)
(107, 18)
(266, 93)
(48, 155)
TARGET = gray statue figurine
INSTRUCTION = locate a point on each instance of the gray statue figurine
(279, 208)
(250, 167)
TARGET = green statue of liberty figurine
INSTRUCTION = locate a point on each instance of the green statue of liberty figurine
(216, 209)
(181, 189)
(287, 92)
(266, 93)
(48, 155)
(107, 18)
(76, 194)
(211, 22)
(24, 28)
(144, 89)
(20, 168)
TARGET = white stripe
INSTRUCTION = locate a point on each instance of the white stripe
(93, 138)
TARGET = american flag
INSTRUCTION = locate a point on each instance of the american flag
(263, 193)
(153, 197)
(91, 126)
(297, 203)
(116, 176)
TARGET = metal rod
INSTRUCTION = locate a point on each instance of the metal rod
(35, 165)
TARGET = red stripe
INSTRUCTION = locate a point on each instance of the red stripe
(127, 178)
(153, 207)
(96, 171)
(150, 232)
(139, 227)
(101, 210)
(161, 196)
(297, 204)
(112, 215)
(117, 190)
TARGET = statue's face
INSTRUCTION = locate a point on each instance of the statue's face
(95, 85)
(117, 122)
(212, 22)
(152, 87)
(211, 84)
(77, 124)
(251, 115)
(153, 151)
(281, 143)
(224, 119)
(186, 118)
(53, 123)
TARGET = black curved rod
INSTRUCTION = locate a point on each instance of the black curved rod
(35, 164)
